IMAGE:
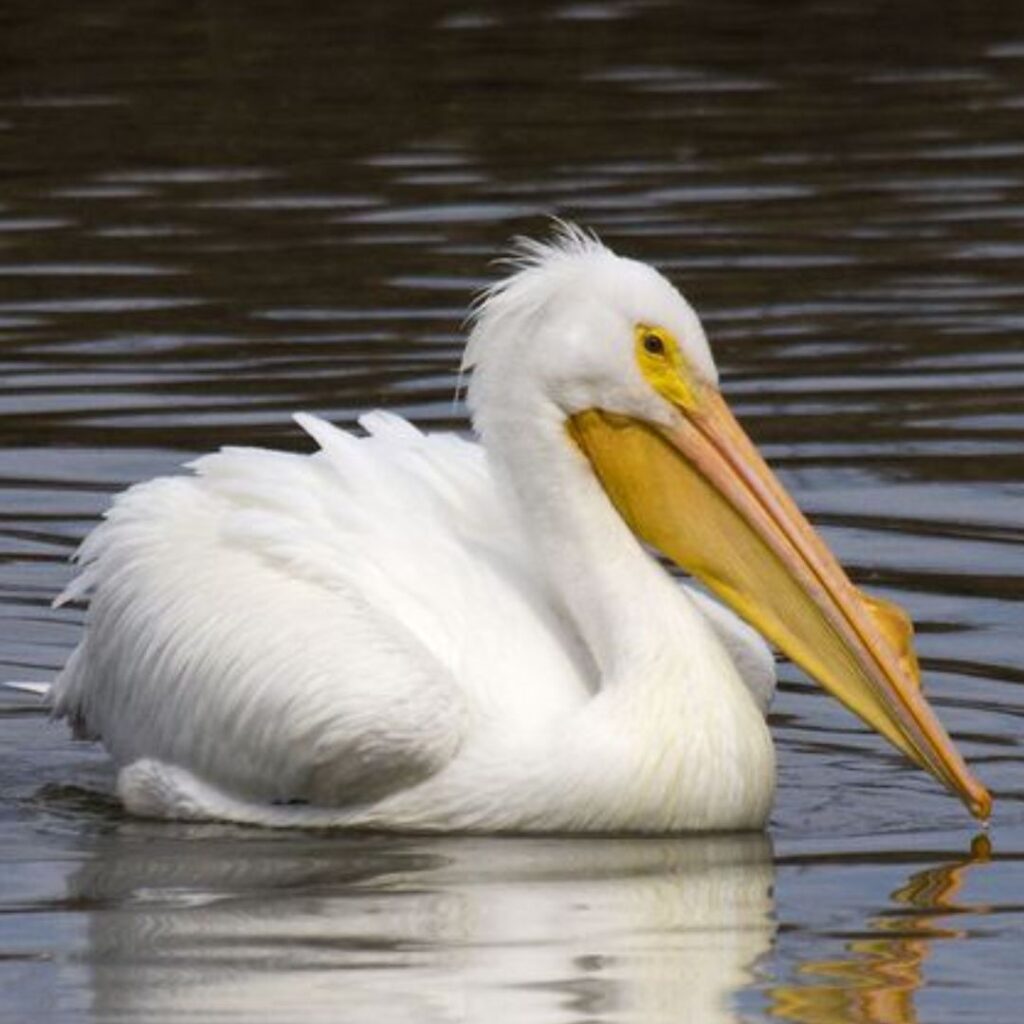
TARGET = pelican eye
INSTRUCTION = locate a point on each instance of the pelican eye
(663, 365)
(654, 345)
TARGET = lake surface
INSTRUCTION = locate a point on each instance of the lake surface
(213, 215)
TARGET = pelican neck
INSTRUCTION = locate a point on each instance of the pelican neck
(630, 613)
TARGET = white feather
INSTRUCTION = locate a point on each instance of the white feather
(36, 689)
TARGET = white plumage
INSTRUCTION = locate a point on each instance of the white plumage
(415, 631)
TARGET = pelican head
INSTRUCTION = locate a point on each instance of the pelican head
(609, 350)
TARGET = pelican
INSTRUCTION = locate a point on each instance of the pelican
(415, 631)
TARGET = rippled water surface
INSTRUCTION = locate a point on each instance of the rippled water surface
(213, 215)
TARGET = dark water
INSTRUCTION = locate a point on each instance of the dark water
(214, 214)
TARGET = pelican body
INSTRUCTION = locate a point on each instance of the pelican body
(415, 631)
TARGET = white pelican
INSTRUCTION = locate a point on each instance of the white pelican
(413, 631)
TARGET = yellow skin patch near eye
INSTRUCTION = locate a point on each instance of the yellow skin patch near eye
(662, 364)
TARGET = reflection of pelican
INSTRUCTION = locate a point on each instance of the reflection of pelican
(403, 631)
(877, 981)
(422, 930)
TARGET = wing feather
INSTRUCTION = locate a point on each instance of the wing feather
(289, 626)
(750, 654)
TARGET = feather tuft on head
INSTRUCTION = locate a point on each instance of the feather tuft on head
(537, 267)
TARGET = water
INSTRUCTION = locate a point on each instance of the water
(211, 216)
